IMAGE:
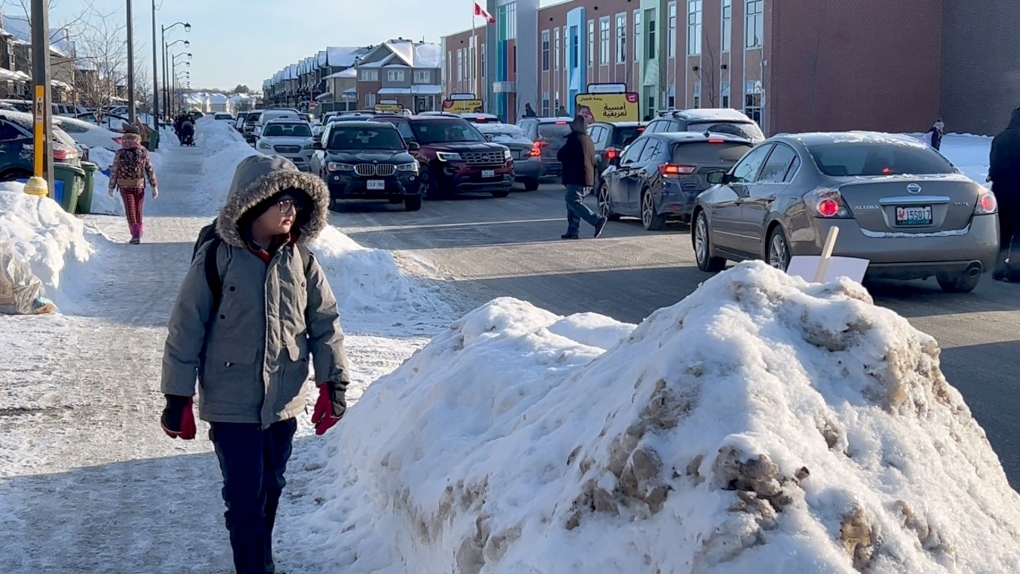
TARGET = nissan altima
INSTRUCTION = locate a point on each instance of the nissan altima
(897, 203)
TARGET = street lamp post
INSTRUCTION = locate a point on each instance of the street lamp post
(176, 80)
(166, 76)
(173, 69)
(130, 64)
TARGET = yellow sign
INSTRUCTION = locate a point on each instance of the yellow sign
(463, 106)
(40, 128)
(607, 107)
(389, 108)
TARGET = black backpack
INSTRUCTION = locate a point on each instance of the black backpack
(208, 234)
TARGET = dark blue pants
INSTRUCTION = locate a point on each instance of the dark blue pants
(253, 461)
(577, 210)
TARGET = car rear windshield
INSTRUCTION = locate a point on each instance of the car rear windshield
(852, 159)
(352, 138)
(624, 136)
(740, 129)
(288, 130)
(444, 131)
(253, 117)
(553, 132)
(704, 153)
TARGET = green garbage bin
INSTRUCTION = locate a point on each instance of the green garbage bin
(85, 199)
(73, 179)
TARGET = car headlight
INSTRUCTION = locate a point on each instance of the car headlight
(307, 146)
(507, 156)
(336, 166)
(413, 166)
(448, 156)
(265, 145)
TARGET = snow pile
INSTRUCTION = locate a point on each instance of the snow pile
(761, 425)
(44, 234)
(223, 148)
(102, 203)
(969, 153)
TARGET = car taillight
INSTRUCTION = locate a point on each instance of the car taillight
(986, 204)
(670, 169)
(63, 154)
(561, 123)
(611, 153)
(716, 140)
(827, 203)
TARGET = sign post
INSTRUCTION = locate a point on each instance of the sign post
(41, 182)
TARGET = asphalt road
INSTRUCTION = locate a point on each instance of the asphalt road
(489, 247)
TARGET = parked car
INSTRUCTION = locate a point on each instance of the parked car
(239, 122)
(659, 176)
(455, 157)
(290, 138)
(549, 134)
(481, 118)
(89, 134)
(896, 202)
(369, 160)
(17, 143)
(223, 117)
(714, 120)
(610, 139)
(271, 115)
(526, 155)
(250, 121)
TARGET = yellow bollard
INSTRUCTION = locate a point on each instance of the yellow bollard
(37, 186)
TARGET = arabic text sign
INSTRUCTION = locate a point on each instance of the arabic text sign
(462, 106)
(609, 107)
(389, 108)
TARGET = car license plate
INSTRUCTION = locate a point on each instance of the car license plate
(487, 173)
(376, 184)
(914, 216)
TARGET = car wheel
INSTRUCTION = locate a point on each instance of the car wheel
(412, 203)
(531, 186)
(702, 241)
(606, 204)
(779, 249)
(960, 282)
(651, 220)
(501, 193)
(430, 185)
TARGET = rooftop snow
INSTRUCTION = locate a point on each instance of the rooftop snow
(21, 29)
(428, 56)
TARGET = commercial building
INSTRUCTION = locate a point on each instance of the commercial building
(802, 65)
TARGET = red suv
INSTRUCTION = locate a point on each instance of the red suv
(454, 156)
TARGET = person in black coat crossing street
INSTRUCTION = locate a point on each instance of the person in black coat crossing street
(1004, 173)
(578, 158)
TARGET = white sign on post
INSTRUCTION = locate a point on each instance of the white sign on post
(826, 268)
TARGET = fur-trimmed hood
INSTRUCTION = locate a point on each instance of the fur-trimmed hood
(259, 177)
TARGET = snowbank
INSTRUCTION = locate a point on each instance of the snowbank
(49, 238)
(224, 148)
(969, 153)
(760, 425)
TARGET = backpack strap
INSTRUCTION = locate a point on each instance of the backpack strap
(212, 275)
(307, 257)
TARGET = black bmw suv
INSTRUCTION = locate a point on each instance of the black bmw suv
(369, 160)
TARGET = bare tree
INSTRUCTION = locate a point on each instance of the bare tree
(23, 8)
(709, 74)
(102, 53)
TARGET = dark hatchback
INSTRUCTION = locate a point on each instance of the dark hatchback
(369, 160)
(661, 175)
(454, 156)
(549, 135)
(610, 139)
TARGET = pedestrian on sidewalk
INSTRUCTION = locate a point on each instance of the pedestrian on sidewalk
(131, 167)
(578, 158)
(254, 305)
(1004, 173)
(933, 137)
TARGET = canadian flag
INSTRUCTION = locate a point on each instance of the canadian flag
(479, 11)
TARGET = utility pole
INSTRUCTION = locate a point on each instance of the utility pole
(41, 183)
(155, 75)
(130, 64)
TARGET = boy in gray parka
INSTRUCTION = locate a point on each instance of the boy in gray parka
(249, 346)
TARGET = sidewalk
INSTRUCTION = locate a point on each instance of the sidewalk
(88, 481)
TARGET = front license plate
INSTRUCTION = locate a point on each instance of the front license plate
(914, 216)
(376, 184)
(487, 173)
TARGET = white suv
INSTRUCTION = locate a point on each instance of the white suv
(289, 138)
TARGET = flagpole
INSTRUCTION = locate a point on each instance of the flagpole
(474, 54)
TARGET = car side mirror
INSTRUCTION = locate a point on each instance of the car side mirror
(413, 147)
(718, 177)
(488, 137)
(317, 145)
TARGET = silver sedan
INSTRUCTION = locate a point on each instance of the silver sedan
(897, 203)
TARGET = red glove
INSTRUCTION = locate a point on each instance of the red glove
(178, 420)
(329, 408)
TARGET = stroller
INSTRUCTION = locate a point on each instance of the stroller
(186, 133)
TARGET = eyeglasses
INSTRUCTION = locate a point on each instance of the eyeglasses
(286, 205)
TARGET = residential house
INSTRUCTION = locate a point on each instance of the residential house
(62, 56)
(403, 72)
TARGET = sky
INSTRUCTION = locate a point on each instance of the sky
(246, 41)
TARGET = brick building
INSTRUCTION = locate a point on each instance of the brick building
(794, 65)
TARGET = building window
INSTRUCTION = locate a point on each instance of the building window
(671, 102)
(422, 77)
(483, 59)
(575, 47)
(515, 59)
(621, 38)
(370, 75)
(545, 105)
(369, 100)
(697, 95)
(460, 65)
(604, 41)
(752, 100)
(637, 35)
(591, 43)
(755, 26)
(511, 24)
(651, 34)
(671, 38)
(726, 36)
(724, 94)
(545, 50)
(693, 27)
(556, 54)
